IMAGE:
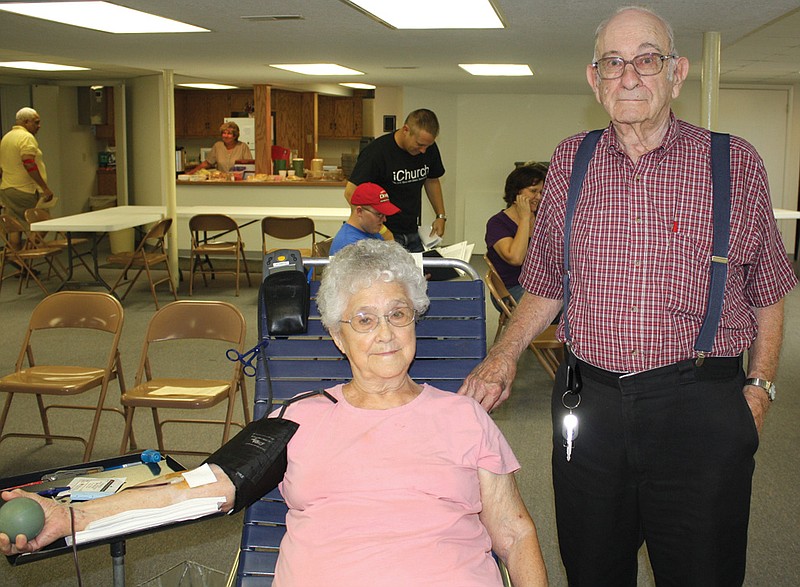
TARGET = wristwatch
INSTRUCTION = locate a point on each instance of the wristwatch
(764, 384)
(441, 216)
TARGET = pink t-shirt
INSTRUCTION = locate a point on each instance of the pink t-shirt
(386, 498)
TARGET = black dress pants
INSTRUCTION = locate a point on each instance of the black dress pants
(663, 457)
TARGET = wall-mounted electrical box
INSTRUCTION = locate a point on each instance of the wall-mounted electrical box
(92, 105)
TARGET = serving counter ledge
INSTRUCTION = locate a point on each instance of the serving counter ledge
(289, 183)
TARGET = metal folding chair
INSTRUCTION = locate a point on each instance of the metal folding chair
(60, 241)
(26, 257)
(205, 245)
(162, 384)
(547, 349)
(291, 229)
(75, 317)
(150, 253)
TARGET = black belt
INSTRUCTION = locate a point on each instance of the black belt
(712, 369)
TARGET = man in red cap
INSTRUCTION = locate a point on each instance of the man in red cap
(370, 206)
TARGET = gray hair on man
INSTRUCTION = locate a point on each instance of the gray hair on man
(25, 114)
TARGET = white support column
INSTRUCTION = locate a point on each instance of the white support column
(121, 142)
(709, 106)
(168, 168)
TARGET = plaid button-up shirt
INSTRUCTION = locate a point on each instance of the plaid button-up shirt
(641, 249)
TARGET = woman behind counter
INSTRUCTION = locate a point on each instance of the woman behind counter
(224, 154)
(509, 231)
(396, 484)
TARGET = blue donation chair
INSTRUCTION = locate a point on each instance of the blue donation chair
(451, 341)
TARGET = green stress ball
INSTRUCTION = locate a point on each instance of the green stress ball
(21, 516)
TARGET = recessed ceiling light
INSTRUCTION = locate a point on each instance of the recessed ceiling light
(317, 68)
(101, 16)
(203, 86)
(498, 69)
(357, 86)
(37, 66)
(424, 14)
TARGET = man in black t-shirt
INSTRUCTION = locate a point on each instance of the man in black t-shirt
(403, 162)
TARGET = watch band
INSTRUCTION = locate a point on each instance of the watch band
(441, 216)
(764, 384)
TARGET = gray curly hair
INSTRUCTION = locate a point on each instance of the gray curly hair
(358, 266)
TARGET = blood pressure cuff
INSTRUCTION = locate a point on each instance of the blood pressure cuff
(284, 294)
(255, 459)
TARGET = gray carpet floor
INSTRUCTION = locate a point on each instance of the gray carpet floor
(774, 552)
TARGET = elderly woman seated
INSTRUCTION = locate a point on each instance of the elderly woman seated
(394, 483)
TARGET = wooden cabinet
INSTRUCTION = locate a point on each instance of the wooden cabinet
(204, 113)
(339, 117)
(240, 101)
(288, 110)
(180, 113)
(106, 181)
(326, 117)
(198, 113)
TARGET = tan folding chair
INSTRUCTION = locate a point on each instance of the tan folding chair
(290, 229)
(205, 245)
(322, 248)
(201, 327)
(547, 349)
(91, 324)
(60, 241)
(26, 257)
(145, 258)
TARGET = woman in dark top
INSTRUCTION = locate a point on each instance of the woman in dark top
(508, 231)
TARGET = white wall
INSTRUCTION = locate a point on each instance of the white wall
(495, 131)
(146, 154)
(388, 102)
(12, 98)
(44, 99)
(770, 134)
(76, 156)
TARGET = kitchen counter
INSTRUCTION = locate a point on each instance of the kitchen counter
(309, 195)
(288, 183)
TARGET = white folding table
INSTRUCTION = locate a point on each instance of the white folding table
(783, 214)
(97, 223)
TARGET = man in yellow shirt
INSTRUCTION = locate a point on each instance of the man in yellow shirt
(23, 173)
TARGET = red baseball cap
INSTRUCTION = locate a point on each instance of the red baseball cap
(371, 194)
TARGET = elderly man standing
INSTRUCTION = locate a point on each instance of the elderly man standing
(663, 448)
(404, 162)
(24, 177)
